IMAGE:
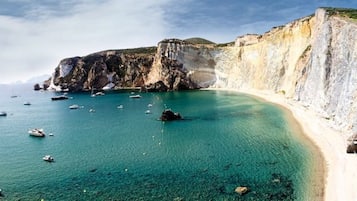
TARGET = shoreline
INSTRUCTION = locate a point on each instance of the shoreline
(339, 167)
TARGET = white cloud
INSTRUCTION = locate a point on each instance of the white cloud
(36, 35)
(33, 46)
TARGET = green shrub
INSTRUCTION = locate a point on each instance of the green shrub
(344, 12)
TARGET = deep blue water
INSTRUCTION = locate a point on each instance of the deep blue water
(226, 140)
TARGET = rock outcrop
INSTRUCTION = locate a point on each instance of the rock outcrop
(311, 60)
(169, 115)
(152, 68)
(183, 65)
(104, 70)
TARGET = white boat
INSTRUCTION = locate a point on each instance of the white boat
(27, 103)
(120, 107)
(98, 94)
(48, 158)
(61, 97)
(73, 107)
(3, 114)
(147, 112)
(135, 96)
(37, 132)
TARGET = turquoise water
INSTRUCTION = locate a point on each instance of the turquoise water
(226, 140)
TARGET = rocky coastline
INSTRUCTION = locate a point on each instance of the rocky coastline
(311, 60)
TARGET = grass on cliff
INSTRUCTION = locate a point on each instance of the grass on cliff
(140, 50)
(345, 12)
(199, 41)
(202, 41)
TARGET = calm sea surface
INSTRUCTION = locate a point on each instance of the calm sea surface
(226, 140)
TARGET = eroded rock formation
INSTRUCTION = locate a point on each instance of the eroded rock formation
(108, 69)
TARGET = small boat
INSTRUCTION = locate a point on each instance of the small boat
(91, 110)
(149, 105)
(3, 114)
(48, 158)
(98, 94)
(120, 107)
(135, 96)
(147, 112)
(61, 97)
(73, 107)
(36, 132)
(51, 134)
(27, 103)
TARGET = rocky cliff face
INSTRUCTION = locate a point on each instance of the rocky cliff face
(152, 69)
(104, 70)
(196, 60)
(312, 60)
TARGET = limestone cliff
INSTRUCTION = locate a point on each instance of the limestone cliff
(197, 61)
(312, 60)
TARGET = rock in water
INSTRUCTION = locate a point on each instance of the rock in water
(36, 87)
(169, 115)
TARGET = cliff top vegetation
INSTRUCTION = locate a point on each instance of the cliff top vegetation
(140, 50)
(344, 12)
(199, 41)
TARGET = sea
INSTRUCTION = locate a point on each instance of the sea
(114, 147)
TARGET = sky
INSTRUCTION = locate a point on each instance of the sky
(36, 34)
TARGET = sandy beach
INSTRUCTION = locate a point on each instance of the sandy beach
(341, 174)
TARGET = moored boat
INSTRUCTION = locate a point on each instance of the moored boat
(135, 96)
(37, 132)
(73, 107)
(48, 158)
(99, 93)
(61, 97)
(3, 114)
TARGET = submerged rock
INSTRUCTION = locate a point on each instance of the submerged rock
(241, 190)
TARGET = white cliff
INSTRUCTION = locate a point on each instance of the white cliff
(312, 60)
(197, 60)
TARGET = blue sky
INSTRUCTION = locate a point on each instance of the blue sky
(36, 34)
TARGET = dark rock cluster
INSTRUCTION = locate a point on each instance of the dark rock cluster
(169, 115)
(37, 86)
